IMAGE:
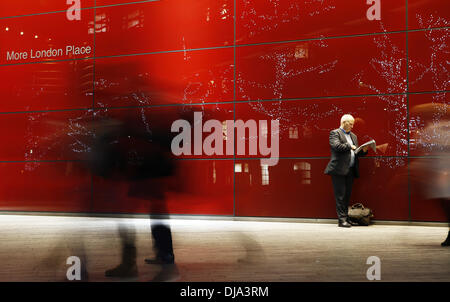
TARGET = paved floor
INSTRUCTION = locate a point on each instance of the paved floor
(36, 248)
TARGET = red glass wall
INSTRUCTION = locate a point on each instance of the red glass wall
(303, 63)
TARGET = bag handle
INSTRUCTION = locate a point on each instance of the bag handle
(358, 205)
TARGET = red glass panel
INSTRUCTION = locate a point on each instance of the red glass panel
(118, 2)
(193, 77)
(305, 125)
(428, 55)
(43, 136)
(163, 25)
(429, 123)
(37, 186)
(429, 188)
(298, 188)
(269, 20)
(199, 187)
(335, 67)
(428, 14)
(46, 86)
(160, 120)
(26, 7)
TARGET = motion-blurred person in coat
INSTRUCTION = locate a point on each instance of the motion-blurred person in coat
(124, 149)
(431, 174)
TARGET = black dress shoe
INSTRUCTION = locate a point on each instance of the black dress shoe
(344, 224)
(447, 241)
(352, 223)
(167, 259)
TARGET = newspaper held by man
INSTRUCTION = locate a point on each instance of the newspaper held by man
(370, 144)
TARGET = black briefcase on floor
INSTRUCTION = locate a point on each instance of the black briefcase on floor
(359, 214)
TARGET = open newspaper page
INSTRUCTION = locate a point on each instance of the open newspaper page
(370, 144)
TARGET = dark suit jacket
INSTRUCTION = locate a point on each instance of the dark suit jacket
(341, 155)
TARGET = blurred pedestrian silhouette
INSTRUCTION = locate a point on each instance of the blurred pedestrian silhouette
(122, 149)
(431, 174)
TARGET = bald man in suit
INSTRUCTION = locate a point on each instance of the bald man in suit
(343, 166)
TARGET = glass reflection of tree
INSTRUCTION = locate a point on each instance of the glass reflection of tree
(388, 66)
(257, 22)
(281, 13)
(435, 67)
(69, 136)
(283, 59)
(197, 90)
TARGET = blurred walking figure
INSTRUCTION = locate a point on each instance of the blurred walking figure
(432, 174)
(123, 149)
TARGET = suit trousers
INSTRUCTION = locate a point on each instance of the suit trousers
(342, 187)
